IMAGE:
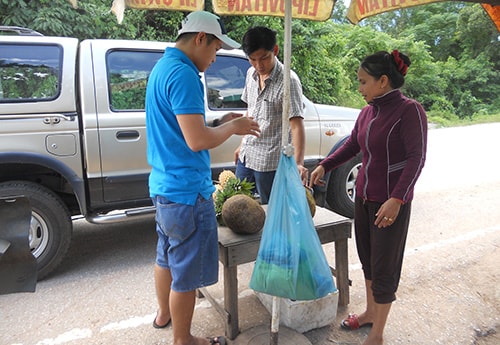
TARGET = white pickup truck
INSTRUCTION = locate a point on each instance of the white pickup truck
(73, 139)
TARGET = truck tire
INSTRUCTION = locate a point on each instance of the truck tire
(341, 187)
(51, 226)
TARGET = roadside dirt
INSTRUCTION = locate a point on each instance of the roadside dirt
(439, 302)
(449, 291)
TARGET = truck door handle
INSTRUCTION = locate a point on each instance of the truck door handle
(127, 135)
(54, 119)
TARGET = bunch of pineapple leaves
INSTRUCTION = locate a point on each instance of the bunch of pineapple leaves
(233, 186)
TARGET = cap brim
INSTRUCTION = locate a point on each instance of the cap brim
(228, 43)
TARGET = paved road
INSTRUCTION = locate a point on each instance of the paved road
(449, 293)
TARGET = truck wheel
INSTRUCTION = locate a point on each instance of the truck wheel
(341, 187)
(51, 226)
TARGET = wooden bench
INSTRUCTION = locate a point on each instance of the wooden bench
(236, 249)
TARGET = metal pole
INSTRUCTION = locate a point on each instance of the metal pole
(275, 321)
(286, 78)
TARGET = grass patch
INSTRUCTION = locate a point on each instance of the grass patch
(437, 119)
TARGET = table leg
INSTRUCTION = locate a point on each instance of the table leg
(342, 270)
(231, 301)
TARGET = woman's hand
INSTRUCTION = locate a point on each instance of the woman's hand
(387, 213)
(317, 177)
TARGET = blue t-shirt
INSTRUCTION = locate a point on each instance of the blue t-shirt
(178, 173)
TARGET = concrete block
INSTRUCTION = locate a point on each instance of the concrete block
(302, 316)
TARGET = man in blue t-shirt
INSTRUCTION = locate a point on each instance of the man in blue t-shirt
(180, 183)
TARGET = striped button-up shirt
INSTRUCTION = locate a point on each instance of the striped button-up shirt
(266, 107)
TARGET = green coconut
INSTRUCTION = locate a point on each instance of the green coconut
(243, 214)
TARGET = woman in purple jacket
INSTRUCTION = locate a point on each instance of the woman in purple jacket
(391, 134)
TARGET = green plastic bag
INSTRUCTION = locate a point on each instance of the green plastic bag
(291, 262)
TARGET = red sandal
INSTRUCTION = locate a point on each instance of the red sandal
(352, 323)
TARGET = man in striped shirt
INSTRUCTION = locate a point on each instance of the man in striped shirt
(257, 157)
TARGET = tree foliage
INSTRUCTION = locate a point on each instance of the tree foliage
(454, 46)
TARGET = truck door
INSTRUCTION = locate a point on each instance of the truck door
(114, 118)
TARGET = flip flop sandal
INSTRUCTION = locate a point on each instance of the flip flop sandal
(352, 323)
(217, 340)
(157, 326)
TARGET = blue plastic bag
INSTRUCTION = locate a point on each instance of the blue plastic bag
(291, 262)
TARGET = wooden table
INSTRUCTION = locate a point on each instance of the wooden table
(236, 249)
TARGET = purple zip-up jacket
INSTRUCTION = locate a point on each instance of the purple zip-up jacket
(391, 133)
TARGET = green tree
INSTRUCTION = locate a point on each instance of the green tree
(463, 73)
(52, 17)
(478, 35)
(434, 24)
(454, 47)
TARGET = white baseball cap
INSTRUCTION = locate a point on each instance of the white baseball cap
(209, 23)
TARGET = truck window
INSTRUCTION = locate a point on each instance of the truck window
(29, 73)
(225, 80)
(128, 72)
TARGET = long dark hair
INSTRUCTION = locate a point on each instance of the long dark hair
(394, 65)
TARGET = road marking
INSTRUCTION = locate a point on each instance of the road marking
(137, 321)
(443, 243)
(466, 237)
(130, 323)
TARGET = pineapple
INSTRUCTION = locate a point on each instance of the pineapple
(218, 188)
(224, 176)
